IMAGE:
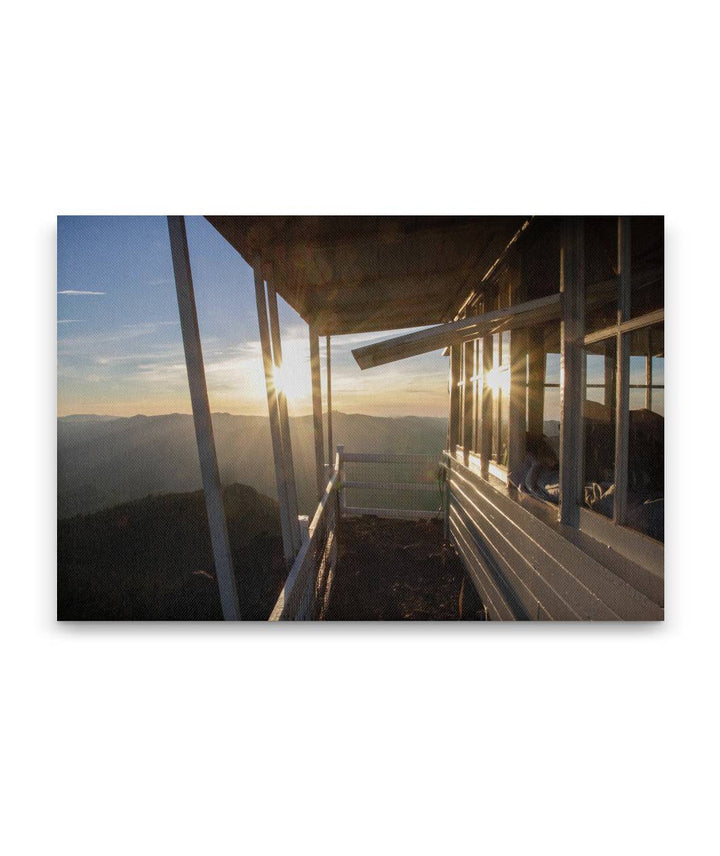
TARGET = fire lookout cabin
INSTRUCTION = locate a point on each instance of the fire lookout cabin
(552, 479)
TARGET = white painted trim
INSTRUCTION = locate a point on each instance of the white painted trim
(392, 513)
(419, 486)
(383, 458)
(424, 341)
(202, 419)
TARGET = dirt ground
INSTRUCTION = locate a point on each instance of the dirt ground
(398, 570)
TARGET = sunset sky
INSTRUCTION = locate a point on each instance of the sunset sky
(120, 348)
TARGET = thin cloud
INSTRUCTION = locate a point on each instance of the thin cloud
(75, 291)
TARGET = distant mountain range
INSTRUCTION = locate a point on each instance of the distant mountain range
(103, 460)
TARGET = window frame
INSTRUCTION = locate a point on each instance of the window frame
(591, 521)
(480, 454)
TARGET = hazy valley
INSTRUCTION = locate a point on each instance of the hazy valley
(103, 461)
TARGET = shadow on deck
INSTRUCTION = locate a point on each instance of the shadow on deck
(398, 570)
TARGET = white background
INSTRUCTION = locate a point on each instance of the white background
(374, 739)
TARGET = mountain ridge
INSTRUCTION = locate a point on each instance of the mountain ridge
(105, 461)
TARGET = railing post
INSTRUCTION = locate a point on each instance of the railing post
(446, 499)
(341, 485)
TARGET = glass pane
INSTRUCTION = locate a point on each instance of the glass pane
(601, 305)
(505, 357)
(658, 371)
(477, 391)
(504, 426)
(637, 399)
(647, 253)
(599, 424)
(638, 371)
(551, 401)
(646, 443)
(499, 381)
(552, 368)
(600, 249)
(658, 402)
(540, 251)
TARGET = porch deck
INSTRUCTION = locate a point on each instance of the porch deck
(394, 570)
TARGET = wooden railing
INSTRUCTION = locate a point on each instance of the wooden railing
(306, 592)
(307, 588)
(409, 484)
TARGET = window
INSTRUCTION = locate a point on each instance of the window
(619, 401)
(477, 346)
(498, 380)
(646, 443)
(647, 253)
(551, 400)
(623, 453)
(599, 426)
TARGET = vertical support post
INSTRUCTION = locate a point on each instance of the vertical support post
(341, 488)
(284, 421)
(486, 423)
(467, 438)
(454, 422)
(317, 412)
(518, 400)
(517, 427)
(274, 416)
(622, 416)
(202, 420)
(329, 401)
(536, 380)
(648, 370)
(572, 334)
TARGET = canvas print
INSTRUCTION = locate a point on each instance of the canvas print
(361, 418)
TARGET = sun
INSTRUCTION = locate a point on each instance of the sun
(293, 377)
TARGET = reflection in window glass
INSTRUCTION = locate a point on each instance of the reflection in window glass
(638, 371)
(599, 425)
(658, 369)
(499, 381)
(601, 289)
(477, 391)
(647, 261)
(646, 441)
(461, 396)
(552, 368)
(551, 401)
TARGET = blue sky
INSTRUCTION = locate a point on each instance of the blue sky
(120, 348)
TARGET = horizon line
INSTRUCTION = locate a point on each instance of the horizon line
(254, 415)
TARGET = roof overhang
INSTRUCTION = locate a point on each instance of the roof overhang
(356, 274)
